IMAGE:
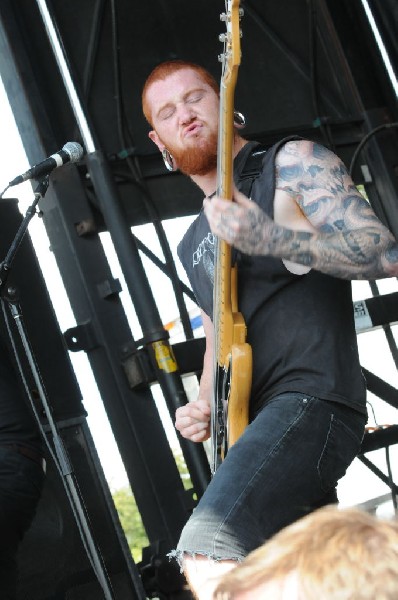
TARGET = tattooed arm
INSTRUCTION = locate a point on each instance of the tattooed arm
(321, 220)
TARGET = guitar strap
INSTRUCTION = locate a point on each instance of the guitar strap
(251, 169)
(254, 163)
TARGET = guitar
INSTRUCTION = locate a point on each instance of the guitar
(232, 354)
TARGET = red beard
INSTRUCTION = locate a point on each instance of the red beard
(197, 160)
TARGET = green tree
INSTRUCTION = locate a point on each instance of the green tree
(129, 514)
(131, 521)
(183, 470)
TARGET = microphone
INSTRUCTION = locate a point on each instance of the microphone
(71, 152)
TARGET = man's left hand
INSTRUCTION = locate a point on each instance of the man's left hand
(241, 223)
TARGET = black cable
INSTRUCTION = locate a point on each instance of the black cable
(365, 141)
(4, 191)
(373, 412)
(312, 31)
(92, 46)
(50, 450)
(59, 456)
(148, 253)
(389, 470)
(134, 167)
(386, 328)
(393, 349)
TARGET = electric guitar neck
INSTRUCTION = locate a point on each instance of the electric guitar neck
(232, 354)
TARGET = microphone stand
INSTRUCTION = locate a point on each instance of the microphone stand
(10, 295)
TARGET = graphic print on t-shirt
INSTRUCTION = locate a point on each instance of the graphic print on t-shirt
(205, 253)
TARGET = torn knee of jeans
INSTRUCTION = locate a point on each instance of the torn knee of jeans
(179, 556)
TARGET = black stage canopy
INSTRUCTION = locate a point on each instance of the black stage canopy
(309, 67)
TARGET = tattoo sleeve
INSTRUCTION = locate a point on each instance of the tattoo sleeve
(350, 241)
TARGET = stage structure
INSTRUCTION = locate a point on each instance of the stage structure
(74, 71)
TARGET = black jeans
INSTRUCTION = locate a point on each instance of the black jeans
(286, 464)
(21, 482)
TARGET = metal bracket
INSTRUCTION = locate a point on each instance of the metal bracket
(81, 337)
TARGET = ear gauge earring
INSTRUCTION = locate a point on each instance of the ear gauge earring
(168, 160)
(239, 120)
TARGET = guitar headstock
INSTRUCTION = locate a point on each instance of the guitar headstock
(231, 38)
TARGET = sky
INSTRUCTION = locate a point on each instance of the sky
(359, 485)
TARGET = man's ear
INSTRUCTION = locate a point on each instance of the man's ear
(155, 138)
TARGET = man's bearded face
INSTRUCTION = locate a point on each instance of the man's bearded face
(196, 159)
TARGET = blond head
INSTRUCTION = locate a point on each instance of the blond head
(332, 553)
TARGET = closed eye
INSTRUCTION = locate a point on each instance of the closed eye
(166, 113)
(194, 98)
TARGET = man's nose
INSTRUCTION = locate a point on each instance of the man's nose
(185, 114)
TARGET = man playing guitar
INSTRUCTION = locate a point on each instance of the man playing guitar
(299, 239)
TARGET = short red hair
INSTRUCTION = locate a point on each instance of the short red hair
(165, 69)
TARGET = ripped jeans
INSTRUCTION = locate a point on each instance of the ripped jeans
(285, 465)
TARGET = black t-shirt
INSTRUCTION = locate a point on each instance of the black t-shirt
(301, 327)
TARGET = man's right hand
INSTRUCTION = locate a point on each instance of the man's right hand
(193, 420)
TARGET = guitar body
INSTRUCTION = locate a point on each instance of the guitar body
(238, 401)
(230, 415)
